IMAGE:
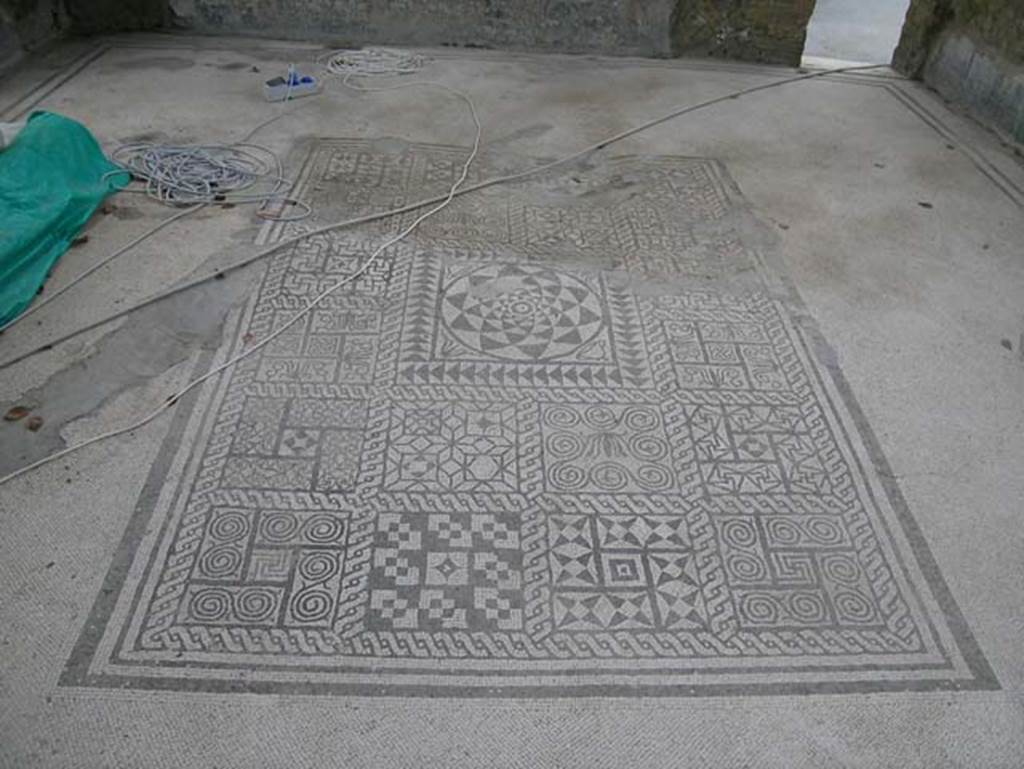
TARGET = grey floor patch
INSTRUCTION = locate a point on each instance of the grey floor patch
(576, 436)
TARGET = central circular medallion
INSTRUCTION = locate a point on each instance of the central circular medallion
(521, 312)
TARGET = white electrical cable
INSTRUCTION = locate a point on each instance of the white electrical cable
(372, 62)
(367, 218)
(442, 201)
(191, 180)
(40, 304)
(189, 174)
(174, 398)
(216, 173)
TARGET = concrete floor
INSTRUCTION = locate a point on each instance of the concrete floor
(856, 30)
(705, 447)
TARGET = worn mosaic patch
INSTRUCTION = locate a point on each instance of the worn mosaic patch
(573, 437)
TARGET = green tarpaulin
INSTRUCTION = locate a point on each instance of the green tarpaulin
(52, 179)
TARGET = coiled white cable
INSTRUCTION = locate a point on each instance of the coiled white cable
(372, 62)
(215, 173)
(175, 397)
(196, 176)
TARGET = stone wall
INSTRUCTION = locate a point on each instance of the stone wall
(10, 42)
(971, 51)
(26, 25)
(96, 16)
(606, 26)
(998, 25)
(29, 24)
(771, 31)
(756, 30)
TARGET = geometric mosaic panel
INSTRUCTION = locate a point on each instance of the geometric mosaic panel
(565, 439)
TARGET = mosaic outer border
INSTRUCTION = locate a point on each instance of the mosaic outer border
(800, 677)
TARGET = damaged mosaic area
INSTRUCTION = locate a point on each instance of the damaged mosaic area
(572, 436)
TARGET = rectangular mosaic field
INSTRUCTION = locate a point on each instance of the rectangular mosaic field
(572, 437)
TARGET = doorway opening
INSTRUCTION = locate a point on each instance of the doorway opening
(856, 31)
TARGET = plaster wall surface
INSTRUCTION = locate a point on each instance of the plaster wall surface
(856, 30)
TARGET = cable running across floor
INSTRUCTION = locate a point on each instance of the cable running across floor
(355, 64)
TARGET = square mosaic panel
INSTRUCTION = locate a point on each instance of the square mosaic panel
(510, 324)
(565, 440)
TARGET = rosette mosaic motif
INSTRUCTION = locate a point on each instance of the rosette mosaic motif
(521, 312)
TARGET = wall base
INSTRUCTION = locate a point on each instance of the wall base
(640, 27)
(987, 83)
(769, 31)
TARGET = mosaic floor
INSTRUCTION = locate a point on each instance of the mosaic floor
(571, 437)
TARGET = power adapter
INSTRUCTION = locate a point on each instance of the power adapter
(291, 87)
